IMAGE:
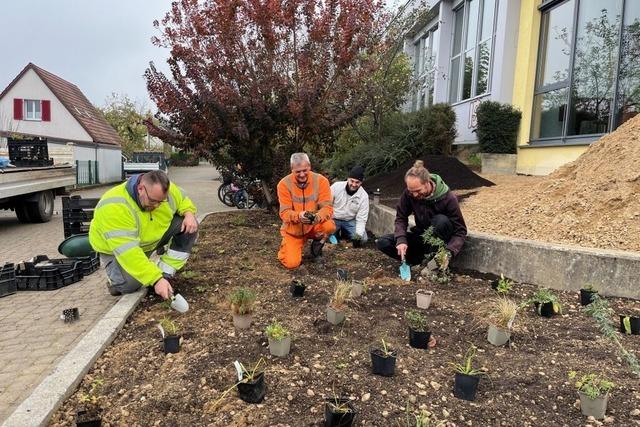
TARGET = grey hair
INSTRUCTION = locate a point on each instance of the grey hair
(297, 158)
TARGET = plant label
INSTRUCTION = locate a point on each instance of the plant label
(238, 369)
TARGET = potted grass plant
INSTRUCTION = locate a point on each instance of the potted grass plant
(383, 360)
(467, 377)
(170, 337)
(419, 333)
(500, 314)
(242, 302)
(252, 387)
(337, 305)
(338, 412)
(545, 302)
(89, 413)
(593, 390)
(279, 339)
(587, 293)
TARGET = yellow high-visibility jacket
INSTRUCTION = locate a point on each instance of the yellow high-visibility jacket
(121, 228)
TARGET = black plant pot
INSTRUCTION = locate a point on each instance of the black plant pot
(494, 285)
(546, 310)
(585, 296)
(465, 386)
(171, 344)
(338, 419)
(381, 364)
(634, 322)
(88, 419)
(419, 339)
(253, 391)
(297, 288)
(357, 243)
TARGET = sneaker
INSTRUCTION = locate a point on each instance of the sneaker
(113, 291)
(316, 248)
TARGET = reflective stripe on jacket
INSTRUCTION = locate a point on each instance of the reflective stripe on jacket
(121, 228)
(315, 197)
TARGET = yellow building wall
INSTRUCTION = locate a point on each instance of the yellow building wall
(538, 160)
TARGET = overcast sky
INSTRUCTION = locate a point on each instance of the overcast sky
(100, 46)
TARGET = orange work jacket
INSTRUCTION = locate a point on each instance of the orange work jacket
(315, 197)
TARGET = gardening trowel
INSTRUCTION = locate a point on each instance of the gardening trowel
(405, 271)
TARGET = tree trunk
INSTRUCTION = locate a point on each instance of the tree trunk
(268, 197)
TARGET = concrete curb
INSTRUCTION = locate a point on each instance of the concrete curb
(553, 265)
(38, 408)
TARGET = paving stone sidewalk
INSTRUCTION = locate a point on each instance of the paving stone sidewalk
(32, 336)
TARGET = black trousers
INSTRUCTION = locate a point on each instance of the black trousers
(417, 249)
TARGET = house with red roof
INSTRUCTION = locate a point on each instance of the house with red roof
(38, 103)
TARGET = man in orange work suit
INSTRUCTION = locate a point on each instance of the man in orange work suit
(305, 209)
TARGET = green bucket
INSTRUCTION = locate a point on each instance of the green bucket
(76, 246)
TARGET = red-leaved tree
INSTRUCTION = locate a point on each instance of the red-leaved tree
(254, 80)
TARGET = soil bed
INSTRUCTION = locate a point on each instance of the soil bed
(528, 386)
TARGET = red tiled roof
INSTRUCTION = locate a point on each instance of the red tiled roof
(76, 103)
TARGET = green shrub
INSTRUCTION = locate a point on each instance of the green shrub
(497, 127)
(436, 129)
(183, 158)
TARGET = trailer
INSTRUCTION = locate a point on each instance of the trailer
(144, 162)
(30, 191)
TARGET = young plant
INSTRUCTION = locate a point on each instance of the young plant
(601, 312)
(169, 326)
(592, 385)
(416, 320)
(423, 419)
(94, 396)
(501, 312)
(431, 239)
(466, 367)
(386, 352)
(276, 331)
(242, 301)
(340, 295)
(504, 285)
(590, 287)
(249, 375)
(544, 296)
(188, 274)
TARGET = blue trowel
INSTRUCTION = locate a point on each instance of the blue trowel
(405, 271)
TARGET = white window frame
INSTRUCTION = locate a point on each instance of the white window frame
(36, 114)
(424, 72)
(476, 47)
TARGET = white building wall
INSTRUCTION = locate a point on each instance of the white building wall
(62, 125)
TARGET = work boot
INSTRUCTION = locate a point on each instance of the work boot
(113, 291)
(316, 248)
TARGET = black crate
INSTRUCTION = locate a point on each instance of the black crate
(7, 280)
(89, 263)
(28, 149)
(77, 213)
(57, 274)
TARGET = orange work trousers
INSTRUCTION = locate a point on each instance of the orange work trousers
(290, 253)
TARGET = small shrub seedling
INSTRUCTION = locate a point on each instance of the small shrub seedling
(466, 367)
(169, 326)
(544, 296)
(591, 384)
(188, 274)
(501, 312)
(504, 285)
(94, 396)
(416, 320)
(242, 301)
(276, 331)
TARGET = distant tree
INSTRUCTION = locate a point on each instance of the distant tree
(126, 117)
(252, 81)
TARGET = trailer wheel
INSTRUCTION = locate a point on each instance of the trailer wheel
(22, 212)
(41, 209)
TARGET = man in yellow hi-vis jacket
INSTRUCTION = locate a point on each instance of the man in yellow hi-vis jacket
(134, 219)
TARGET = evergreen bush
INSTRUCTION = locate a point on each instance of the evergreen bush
(497, 127)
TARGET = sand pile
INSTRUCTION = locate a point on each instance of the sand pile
(594, 201)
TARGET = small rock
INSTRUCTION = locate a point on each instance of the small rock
(356, 377)
(635, 413)
(412, 399)
(435, 385)
(422, 393)
(306, 370)
(590, 418)
(125, 413)
(420, 385)
(385, 414)
(609, 420)
(404, 371)
(365, 397)
(445, 413)
(383, 392)
(310, 393)
(289, 397)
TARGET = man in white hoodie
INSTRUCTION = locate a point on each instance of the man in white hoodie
(350, 207)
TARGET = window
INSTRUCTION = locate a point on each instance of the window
(424, 67)
(587, 79)
(32, 109)
(471, 51)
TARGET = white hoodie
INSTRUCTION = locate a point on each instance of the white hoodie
(347, 208)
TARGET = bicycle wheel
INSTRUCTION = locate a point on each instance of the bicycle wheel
(228, 198)
(241, 199)
(222, 190)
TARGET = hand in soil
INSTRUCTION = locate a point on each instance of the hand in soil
(163, 288)
(402, 250)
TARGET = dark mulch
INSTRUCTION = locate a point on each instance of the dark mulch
(527, 383)
(456, 174)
